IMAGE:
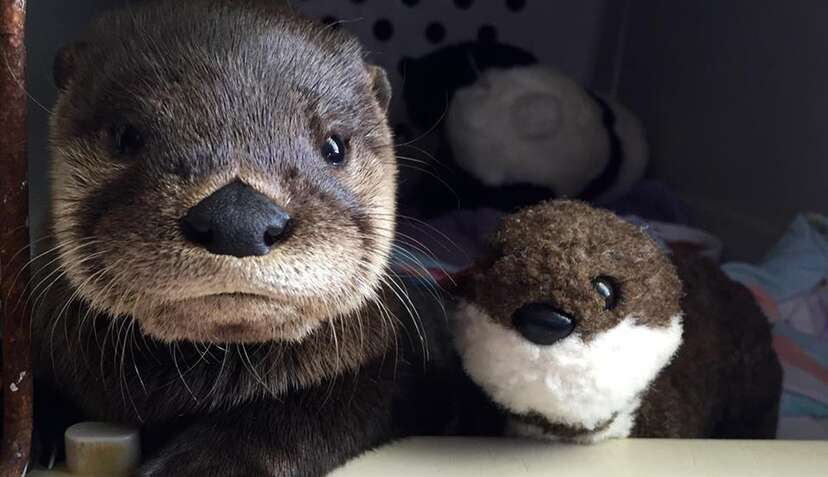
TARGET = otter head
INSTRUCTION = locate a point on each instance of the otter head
(573, 317)
(227, 178)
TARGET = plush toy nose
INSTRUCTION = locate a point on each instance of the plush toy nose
(542, 323)
(236, 220)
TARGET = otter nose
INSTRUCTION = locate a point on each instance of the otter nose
(236, 220)
(542, 323)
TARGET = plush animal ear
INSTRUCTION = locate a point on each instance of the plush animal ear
(65, 64)
(380, 85)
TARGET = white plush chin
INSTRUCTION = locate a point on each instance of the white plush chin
(621, 426)
(572, 382)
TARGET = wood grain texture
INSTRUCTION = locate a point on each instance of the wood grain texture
(14, 243)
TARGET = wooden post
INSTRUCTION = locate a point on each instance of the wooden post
(14, 243)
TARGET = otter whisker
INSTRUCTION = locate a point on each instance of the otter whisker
(45, 288)
(68, 302)
(409, 240)
(217, 379)
(404, 256)
(105, 292)
(58, 269)
(21, 85)
(431, 156)
(423, 225)
(202, 354)
(433, 126)
(111, 325)
(360, 328)
(411, 159)
(436, 177)
(126, 322)
(173, 347)
(387, 321)
(406, 302)
(132, 355)
(417, 275)
(247, 363)
(122, 378)
(32, 260)
(425, 281)
(336, 343)
(415, 266)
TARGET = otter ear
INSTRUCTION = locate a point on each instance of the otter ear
(65, 64)
(380, 85)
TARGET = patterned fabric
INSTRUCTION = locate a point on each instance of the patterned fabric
(791, 286)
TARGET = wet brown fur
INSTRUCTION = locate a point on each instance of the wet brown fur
(237, 91)
(286, 364)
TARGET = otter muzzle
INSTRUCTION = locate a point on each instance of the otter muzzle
(236, 220)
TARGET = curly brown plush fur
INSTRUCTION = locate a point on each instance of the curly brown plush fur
(726, 380)
(554, 250)
(615, 371)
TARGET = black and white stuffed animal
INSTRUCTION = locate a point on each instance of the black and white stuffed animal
(534, 127)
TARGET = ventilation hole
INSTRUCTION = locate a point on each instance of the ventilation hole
(487, 34)
(515, 5)
(383, 30)
(463, 4)
(435, 32)
(410, 3)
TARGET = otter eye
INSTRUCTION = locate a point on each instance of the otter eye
(333, 150)
(609, 289)
(128, 139)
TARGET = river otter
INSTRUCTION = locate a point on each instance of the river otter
(223, 213)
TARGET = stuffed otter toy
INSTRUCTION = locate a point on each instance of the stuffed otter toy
(599, 334)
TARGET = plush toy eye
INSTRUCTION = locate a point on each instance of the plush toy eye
(609, 289)
(333, 150)
(128, 139)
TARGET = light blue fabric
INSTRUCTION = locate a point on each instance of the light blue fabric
(798, 263)
(794, 404)
(814, 346)
(792, 273)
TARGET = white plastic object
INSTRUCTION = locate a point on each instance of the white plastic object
(459, 457)
(102, 449)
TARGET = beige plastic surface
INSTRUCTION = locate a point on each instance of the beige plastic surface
(457, 457)
(94, 448)
(56, 472)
